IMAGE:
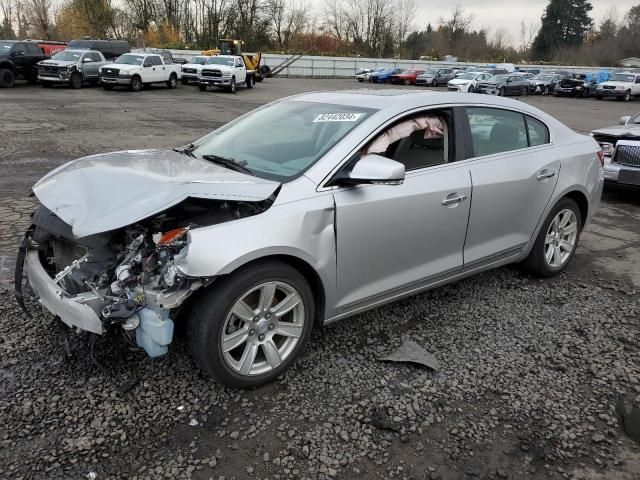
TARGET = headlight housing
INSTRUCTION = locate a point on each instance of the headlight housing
(620, 87)
(607, 148)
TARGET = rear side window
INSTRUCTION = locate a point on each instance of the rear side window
(538, 132)
(33, 49)
(495, 131)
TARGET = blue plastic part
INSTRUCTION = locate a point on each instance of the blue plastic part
(154, 333)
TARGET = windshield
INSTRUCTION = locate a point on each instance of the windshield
(499, 78)
(220, 61)
(635, 120)
(468, 76)
(5, 47)
(622, 77)
(264, 142)
(544, 78)
(67, 56)
(198, 60)
(129, 59)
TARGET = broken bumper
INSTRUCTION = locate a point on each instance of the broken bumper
(75, 311)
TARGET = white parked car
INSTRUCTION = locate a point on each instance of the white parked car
(367, 76)
(362, 72)
(467, 82)
(622, 86)
(191, 70)
(136, 70)
(225, 71)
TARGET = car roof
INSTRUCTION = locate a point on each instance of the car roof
(396, 99)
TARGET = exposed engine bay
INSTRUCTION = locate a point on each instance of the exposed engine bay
(130, 277)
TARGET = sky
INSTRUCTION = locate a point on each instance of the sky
(506, 14)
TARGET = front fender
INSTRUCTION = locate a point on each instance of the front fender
(302, 229)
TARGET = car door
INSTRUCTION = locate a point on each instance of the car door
(391, 237)
(90, 65)
(240, 71)
(514, 173)
(19, 58)
(159, 69)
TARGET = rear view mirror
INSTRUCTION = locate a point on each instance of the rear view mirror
(624, 120)
(374, 170)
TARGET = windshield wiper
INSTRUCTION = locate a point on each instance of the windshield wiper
(231, 163)
(188, 150)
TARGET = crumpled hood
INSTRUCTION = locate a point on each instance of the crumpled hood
(107, 191)
(57, 63)
(619, 131)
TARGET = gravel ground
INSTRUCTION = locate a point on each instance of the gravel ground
(531, 371)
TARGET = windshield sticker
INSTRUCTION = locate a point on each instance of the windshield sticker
(337, 117)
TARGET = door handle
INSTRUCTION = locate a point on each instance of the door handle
(544, 175)
(449, 200)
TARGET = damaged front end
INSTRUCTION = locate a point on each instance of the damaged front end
(127, 278)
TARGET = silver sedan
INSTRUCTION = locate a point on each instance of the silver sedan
(303, 212)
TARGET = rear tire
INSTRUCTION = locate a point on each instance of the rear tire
(249, 81)
(537, 262)
(7, 78)
(75, 81)
(212, 320)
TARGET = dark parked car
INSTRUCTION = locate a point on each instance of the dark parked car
(384, 76)
(19, 60)
(578, 86)
(544, 83)
(111, 49)
(508, 84)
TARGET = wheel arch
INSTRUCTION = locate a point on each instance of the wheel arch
(8, 65)
(583, 204)
(308, 272)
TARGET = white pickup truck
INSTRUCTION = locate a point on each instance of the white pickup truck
(621, 85)
(225, 71)
(136, 70)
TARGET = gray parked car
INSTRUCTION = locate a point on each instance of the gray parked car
(621, 147)
(436, 77)
(378, 195)
(71, 67)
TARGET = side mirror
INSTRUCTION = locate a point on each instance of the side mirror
(374, 170)
(624, 120)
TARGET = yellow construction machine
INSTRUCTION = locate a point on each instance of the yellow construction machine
(251, 60)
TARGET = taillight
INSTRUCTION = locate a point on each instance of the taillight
(600, 155)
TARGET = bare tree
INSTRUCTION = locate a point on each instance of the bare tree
(458, 24)
(6, 27)
(405, 13)
(38, 14)
(528, 33)
(287, 18)
(335, 21)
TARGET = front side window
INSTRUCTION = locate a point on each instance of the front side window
(66, 56)
(495, 131)
(282, 140)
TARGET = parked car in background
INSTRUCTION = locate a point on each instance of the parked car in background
(496, 71)
(227, 72)
(263, 235)
(435, 77)
(544, 83)
(367, 76)
(576, 86)
(506, 84)
(621, 147)
(110, 49)
(467, 70)
(408, 77)
(71, 67)
(362, 72)
(622, 86)
(19, 60)
(191, 70)
(533, 71)
(467, 82)
(384, 76)
(137, 70)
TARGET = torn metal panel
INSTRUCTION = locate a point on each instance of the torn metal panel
(411, 352)
(103, 192)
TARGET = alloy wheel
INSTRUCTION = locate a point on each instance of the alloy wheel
(561, 238)
(262, 328)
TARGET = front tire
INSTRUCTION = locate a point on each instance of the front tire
(232, 85)
(7, 78)
(470, 89)
(434, 83)
(75, 81)
(502, 92)
(173, 81)
(252, 324)
(136, 84)
(557, 240)
(627, 96)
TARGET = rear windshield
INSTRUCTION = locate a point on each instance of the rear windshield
(262, 141)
